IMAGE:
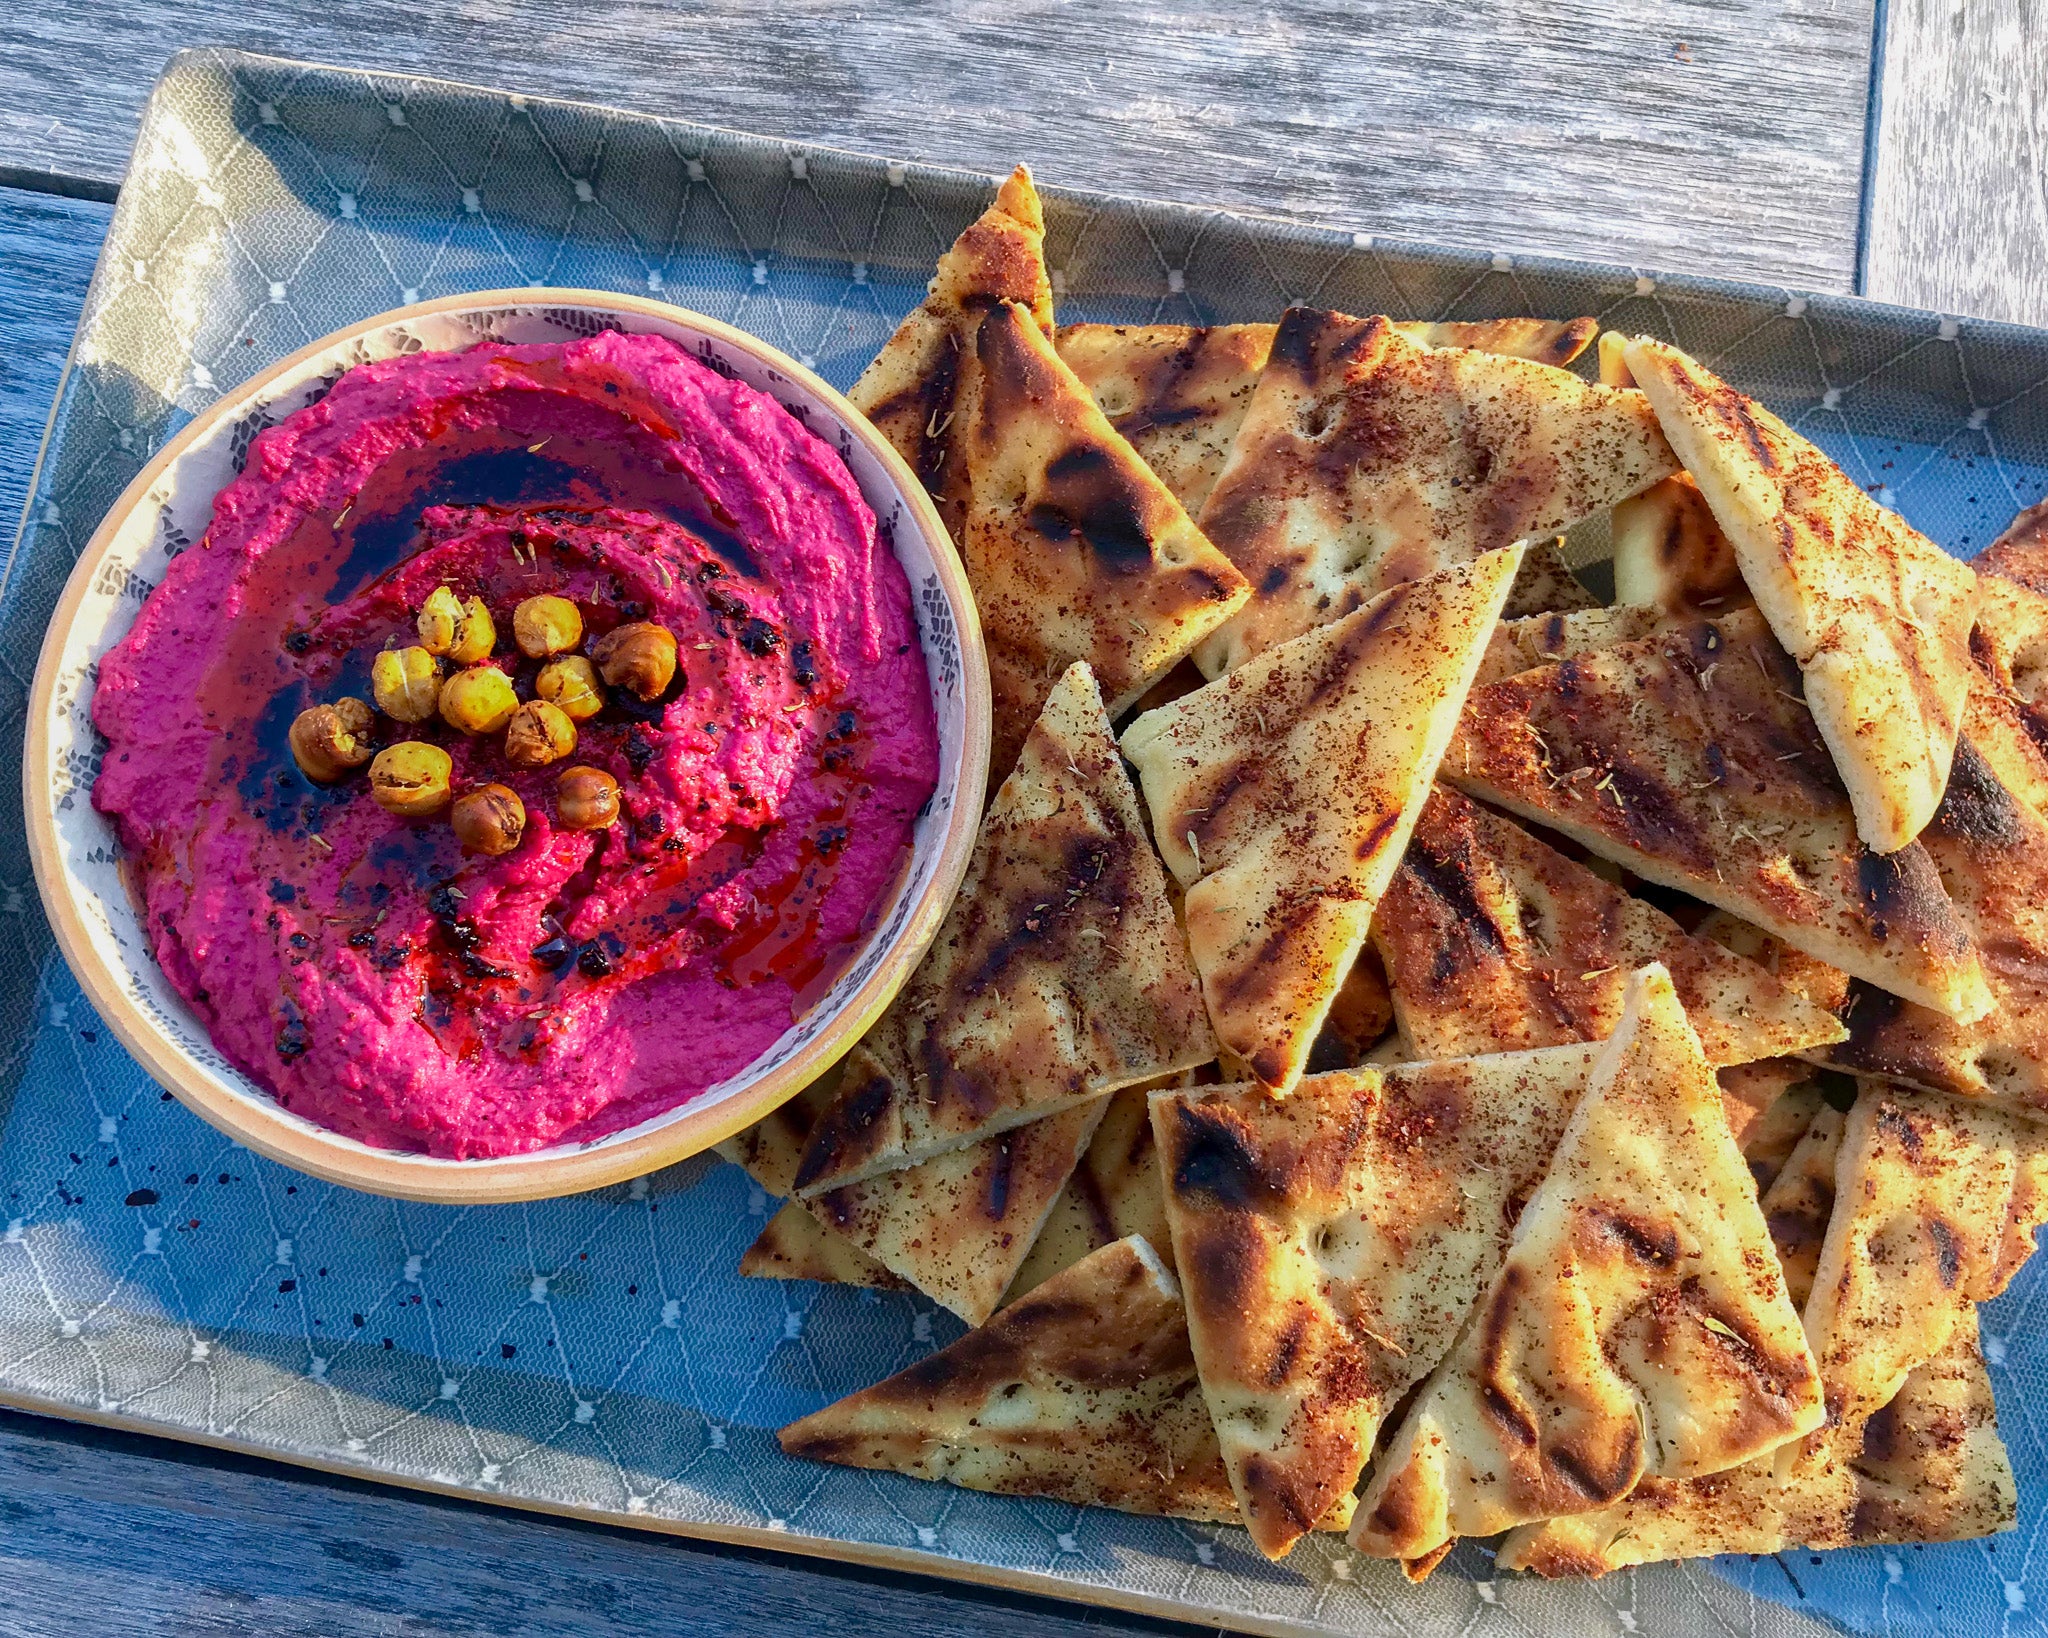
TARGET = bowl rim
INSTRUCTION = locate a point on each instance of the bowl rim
(545, 1173)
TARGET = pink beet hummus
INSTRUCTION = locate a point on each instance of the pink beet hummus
(362, 966)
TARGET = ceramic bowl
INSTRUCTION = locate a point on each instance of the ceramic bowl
(168, 506)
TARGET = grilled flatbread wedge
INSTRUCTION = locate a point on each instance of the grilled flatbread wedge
(1060, 973)
(1114, 1193)
(1075, 550)
(911, 389)
(1776, 1130)
(1749, 1092)
(2006, 715)
(1365, 460)
(1877, 615)
(1639, 1324)
(773, 1147)
(1800, 1202)
(1542, 341)
(1930, 1466)
(794, 1245)
(1179, 391)
(1358, 1019)
(2021, 553)
(1992, 852)
(1283, 795)
(1670, 554)
(1332, 1243)
(1493, 942)
(1546, 584)
(1927, 1466)
(1082, 1392)
(1806, 975)
(959, 1226)
(2011, 637)
(1690, 759)
(1547, 639)
(1937, 1201)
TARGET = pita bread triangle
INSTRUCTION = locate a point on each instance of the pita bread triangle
(1075, 550)
(1638, 1325)
(1542, 341)
(773, 1147)
(1494, 942)
(1670, 554)
(1282, 798)
(1992, 851)
(911, 389)
(2006, 715)
(1929, 1467)
(1937, 1201)
(1546, 639)
(2020, 554)
(1801, 1200)
(1365, 460)
(1178, 392)
(959, 1225)
(1114, 1193)
(796, 1246)
(1059, 974)
(1546, 584)
(1082, 1391)
(1775, 1129)
(1690, 759)
(1877, 615)
(1332, 1242)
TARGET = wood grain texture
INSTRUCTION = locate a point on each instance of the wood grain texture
(105, 1532)
(1718, 136)
(1959, 195)
(47, 246)
(114, 1533)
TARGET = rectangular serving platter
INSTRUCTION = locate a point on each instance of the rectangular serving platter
(597, 1356)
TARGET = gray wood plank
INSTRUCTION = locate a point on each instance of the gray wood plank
(114, 1533)
(1718, 136)
(1959, 193)
(103, 1532)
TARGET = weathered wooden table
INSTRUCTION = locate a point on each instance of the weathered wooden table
(1894, 147)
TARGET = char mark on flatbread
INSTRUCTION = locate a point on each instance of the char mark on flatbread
(1075, 549)
(1365, 460)
(1059, 974)
(1639, 1324)
(1690, 759)
(1877, 616)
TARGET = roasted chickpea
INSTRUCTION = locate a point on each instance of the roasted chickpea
(546, 625)
(463, 633)
(407, 683)
(489, 819)
(586, 798)
(328, 741)
(478, 700)
(571, 683)
(411, 779)
(539, 733)
(640, 658)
